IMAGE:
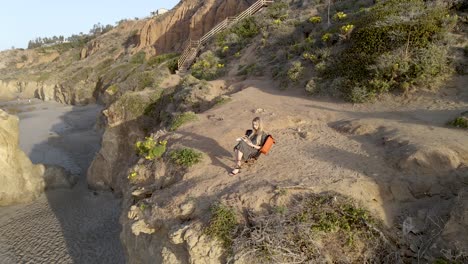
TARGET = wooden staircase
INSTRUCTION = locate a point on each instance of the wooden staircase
(192, 47)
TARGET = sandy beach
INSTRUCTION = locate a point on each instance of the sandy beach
(64, 225)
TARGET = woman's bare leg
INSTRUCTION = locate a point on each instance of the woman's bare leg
(239, 157)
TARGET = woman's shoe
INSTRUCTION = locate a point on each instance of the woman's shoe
(235, 171)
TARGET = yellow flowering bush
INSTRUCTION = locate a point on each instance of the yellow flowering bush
(339, 16)
(132, 176)
(346, 29)
(315, 19)
(326, 37)
(309, 56)
(295, 72)
(150, 149)
(206, 66)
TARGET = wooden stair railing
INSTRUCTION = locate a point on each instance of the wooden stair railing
(193, 47)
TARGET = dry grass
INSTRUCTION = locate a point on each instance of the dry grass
(314, 229)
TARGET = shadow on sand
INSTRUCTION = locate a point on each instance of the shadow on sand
(65, 225)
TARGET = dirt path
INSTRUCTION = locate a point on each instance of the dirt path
(63, 225)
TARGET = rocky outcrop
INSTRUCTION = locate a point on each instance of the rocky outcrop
(20, 180)
(171, 242)
(189, 19)
(124, 127)
(81, 93)
(438, 159)
(10, 90)
(56, 177)
(92, 47)
(46, 92)
(109, 167)
(77, 94)
(451, 236)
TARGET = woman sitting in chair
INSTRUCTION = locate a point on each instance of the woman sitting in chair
(249, 145)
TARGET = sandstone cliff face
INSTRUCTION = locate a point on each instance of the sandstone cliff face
(123, 128)
(109, 167)
(20, 180)
(9, 90)
(78, 94)
(189, 19)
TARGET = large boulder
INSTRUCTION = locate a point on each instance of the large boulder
(20, 180)
(57, 177)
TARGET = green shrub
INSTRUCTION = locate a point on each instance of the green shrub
(207, 66)
(220, 39)
(395, 45)
(220, 100)
(186, 157)
(323, 228)
(223, 223)
(138, 58)
(358, 94)
(295, 72)
(43, 76)
(113, 89)
(104, 66)
(82, 74)
(150, 149)
(145, 79)
(119, 73)
(251, 69)
(321, 66)
(245, 29)
(278, 10)
(310, 57)
(132, 105)
(181, 119)
(191, 95)
(392, 24)
(231, 41)
(460, 122)
(173, 65)
(64, 47)
(161, 58)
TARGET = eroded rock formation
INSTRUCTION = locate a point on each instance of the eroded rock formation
(20, 180)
